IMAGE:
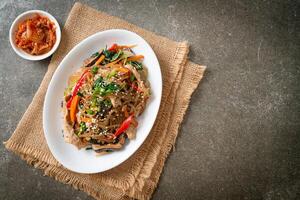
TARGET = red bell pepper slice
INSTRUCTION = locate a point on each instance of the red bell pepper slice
(77, 87)
(114, 47)
(135, 87)
(124, 126)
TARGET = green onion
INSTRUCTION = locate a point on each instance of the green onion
(116, 55)
(107, 102)
(77, 132)
(111, 74)
(95, 54)
(82, 127)
(103, 88)
(79, 94)
(108, 54)
(132, 77)
(95, 70)
(137, 65)
(90, 112)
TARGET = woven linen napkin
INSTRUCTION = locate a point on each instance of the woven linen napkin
(138, 176)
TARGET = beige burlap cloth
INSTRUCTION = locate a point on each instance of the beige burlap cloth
(138, 176)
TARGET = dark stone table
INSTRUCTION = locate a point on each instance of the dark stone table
(240, 136)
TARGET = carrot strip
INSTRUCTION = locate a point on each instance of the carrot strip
(73, 108)
(123, 69)
(135, 58)
(86, 119)
(119, 68)
(113, 63)
(100, 59)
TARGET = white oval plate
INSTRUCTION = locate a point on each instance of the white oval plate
(85, 161)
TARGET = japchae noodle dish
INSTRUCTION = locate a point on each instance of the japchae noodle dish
(104, 98)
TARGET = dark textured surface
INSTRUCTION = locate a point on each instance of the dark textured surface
(240, 137)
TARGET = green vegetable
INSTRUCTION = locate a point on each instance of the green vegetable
(94, 101)
(116, 55)
(82, 127)
(111, 74)
(108, 54)
(99, 91)
(77, 132)
(103, 88)
(79, 94)
(137, 65)
(112, 87)
(107, 102)
(94, 70)
(99, 82)
(90, 112)
(95, 54)
(95, 104)
(132, 77)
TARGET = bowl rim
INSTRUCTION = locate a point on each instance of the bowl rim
(24, 54)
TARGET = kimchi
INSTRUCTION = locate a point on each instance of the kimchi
(36, 36)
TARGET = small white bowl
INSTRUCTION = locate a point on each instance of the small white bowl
(14, 28)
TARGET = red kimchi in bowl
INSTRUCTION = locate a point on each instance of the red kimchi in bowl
(36, 35)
